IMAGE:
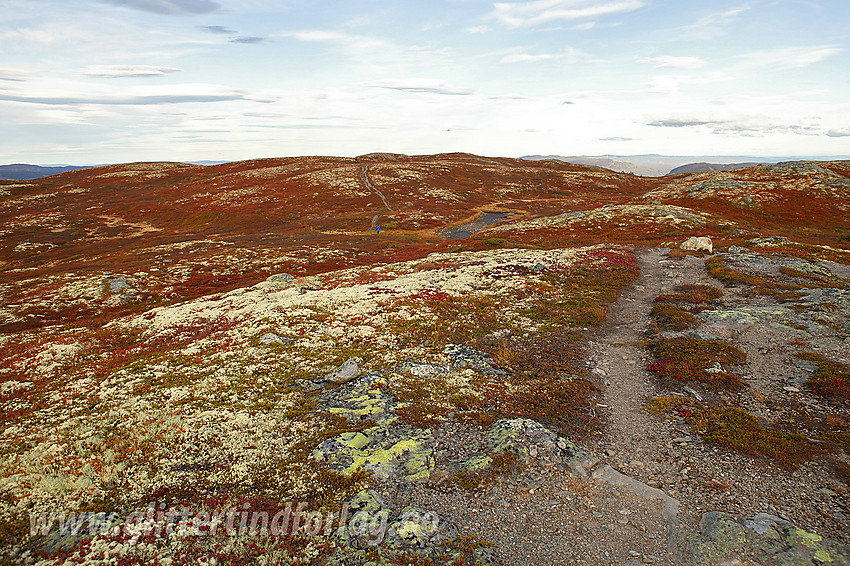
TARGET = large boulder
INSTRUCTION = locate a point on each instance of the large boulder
(697, 244)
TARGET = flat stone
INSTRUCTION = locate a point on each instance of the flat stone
(344, 373)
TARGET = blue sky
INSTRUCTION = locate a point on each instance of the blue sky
(127, 80)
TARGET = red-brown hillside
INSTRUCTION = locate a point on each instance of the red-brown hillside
(174, 231)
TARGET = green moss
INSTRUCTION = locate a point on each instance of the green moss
(503, 463)
(830, 378)
(730, 276)
(736, 428)
(691, 294)
(671, 317)
(665, 404)
(813, 280)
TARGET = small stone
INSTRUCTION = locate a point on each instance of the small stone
(562, 444)
(272, 338)
(344, 373)
(634, 553)
(682, 440)
(714, 368)
(281, 278)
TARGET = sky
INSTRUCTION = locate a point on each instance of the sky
(108, 81)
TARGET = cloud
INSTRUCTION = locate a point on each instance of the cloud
(120, 71)
(740, 124)
(791, 57)
(616, 138)
(517, 14)
(712, 25)
(585, 26)
(682, 122)
(358, 42)
(526, 58)
(171, 7)
(670, 84)
(570, 55)
(674, 62)
(476, 29)
(248, 40)
(429, 86)
(169, 94)
(843, 133)
(218, 29)
(12, 75)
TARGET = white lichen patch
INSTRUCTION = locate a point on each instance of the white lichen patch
(625, 215)
(187, 398)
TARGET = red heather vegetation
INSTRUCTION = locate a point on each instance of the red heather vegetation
(183, 231)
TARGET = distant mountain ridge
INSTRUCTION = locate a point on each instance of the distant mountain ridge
(653, 165)
(703, 167)
(27, 172)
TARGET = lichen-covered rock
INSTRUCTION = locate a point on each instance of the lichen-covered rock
(763, 539)
(521, 436)
(402, 453)
(377, 534)
(463, 356)
(422, 370)
(697, 244)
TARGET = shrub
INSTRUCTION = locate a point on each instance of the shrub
(671, 317)
(830, 378)
(737, 429)
(686, 359)
(729, 276)
(696, 294)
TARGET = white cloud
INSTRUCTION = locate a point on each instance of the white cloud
(517, 14)
(674, 62)
(791, 57)
(570, 56)
(169, 6)
(7, 74)
(118, 71)
(526, 58)
(670, 84)
(476, 29)
(65, 94)
(841, 133)
(712, 25)
(585, 26)
(420, 85)
(347, 40)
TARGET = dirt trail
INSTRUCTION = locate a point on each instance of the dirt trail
(364, 176)
(631, 433)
